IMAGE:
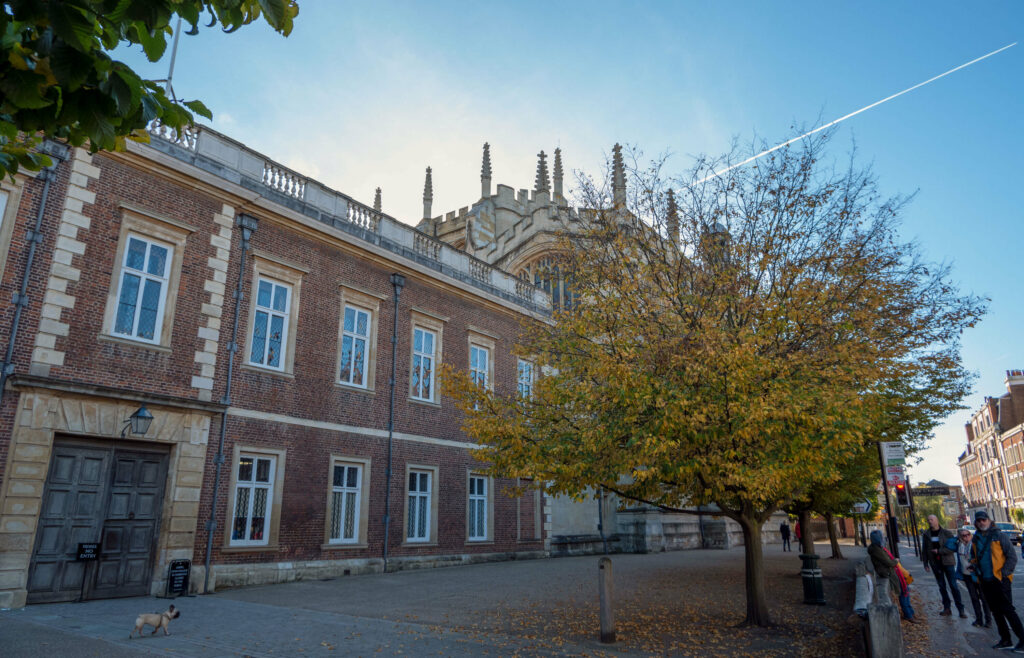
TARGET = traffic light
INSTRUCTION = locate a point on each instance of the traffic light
(901, 495)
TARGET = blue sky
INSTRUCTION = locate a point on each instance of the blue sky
(368, 94)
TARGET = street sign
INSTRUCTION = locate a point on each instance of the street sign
(931, 491)
(863, 507)
(893, 454)
(88, 551)
(895, 475)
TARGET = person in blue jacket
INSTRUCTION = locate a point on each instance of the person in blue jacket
(965, 571)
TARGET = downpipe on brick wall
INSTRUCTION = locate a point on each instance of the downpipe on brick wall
(397, 282)
(248, 225)
(57, 152)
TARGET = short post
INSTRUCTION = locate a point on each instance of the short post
(604, 567)
(814, 587)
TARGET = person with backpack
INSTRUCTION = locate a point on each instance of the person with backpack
(938, 551)
(994, 561)
(965, 572)
(886, 566)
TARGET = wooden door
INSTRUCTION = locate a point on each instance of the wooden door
(73, 508)
(131, 526)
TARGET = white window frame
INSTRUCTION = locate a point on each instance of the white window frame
(477, 508)
(144, 276)
(416, 532)
(252, 486)
(345, 490)
(285, 316)
(525, 382)
(416, 384)
(480, 372)
(355, 336)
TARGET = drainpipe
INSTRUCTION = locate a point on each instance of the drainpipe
(58, 152)
(397, 282)
(248, 225)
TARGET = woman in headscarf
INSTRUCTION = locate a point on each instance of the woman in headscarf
(885, 567)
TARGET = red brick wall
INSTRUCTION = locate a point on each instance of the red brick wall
(10, 283)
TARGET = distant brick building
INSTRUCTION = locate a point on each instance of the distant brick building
(132, 306)
(992, 466)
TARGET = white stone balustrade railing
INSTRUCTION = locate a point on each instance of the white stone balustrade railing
(236, 162)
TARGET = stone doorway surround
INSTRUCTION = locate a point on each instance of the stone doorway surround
(48, 407)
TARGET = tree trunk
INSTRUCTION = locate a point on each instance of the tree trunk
(832, 538)
(806, 536)
(757, 604)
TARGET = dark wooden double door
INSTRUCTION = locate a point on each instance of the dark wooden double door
(96, 492)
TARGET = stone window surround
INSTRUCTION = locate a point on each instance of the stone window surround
(432, 531)
(275, 507)
(9, 217)
(364, 502)
(161, 229)
(488, 506)
(434, 323)
(364, 301)
(270, 267)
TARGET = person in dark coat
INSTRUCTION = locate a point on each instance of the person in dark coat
(784, 531)
(885, 567)
(938, 552)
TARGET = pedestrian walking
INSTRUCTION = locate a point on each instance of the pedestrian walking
(994, 561)
(886, 566)
(784, 531)
(938, 552)
(965, 572)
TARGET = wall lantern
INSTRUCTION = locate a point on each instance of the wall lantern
(138, 422)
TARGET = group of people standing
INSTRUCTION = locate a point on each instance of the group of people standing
(984, 561)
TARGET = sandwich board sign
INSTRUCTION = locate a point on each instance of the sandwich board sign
(893, 454)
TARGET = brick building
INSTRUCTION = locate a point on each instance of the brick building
(132, 308)
(992, 466)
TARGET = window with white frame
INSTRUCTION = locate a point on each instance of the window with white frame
(254, 490)
(143, 289)
(479, 359)
(424, 343)
(418, 523)
(477, 507)
(345, 490)
(524, 378)
(355, 337)
(270, 324)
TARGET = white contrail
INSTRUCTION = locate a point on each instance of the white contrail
(855, 113)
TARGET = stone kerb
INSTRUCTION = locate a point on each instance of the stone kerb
(42, 414)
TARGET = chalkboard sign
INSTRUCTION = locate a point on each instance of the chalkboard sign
(88, 551)
(177, 577)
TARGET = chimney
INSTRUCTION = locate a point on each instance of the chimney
(618, 178)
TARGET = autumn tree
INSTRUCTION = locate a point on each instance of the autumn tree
(58, 80)
(728, 344)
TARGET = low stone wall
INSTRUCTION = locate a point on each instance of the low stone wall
(225, 576)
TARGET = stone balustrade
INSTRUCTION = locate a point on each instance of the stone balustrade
(231, 160)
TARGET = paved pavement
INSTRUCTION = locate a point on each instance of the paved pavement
(951, 635)
(683, 602)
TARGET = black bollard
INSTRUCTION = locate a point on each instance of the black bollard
(814, 586)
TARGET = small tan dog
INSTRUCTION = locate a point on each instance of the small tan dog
(157, 620)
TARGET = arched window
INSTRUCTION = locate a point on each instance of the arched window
(547, 273)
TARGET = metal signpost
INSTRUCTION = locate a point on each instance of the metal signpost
(87, 552)
(890, 456)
